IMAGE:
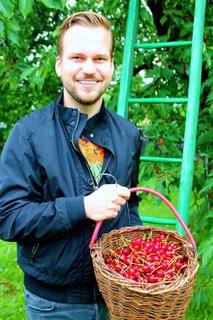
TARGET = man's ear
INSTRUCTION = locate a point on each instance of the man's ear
(58, 66)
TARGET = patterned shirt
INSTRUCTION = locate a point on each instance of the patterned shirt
(94, 155)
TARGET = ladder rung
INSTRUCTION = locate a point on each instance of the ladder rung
(159, 159)
(156, 45)
(159, 220)
(157, 100)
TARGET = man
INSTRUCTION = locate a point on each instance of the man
(57, 177)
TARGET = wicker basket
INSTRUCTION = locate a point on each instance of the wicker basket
(129, 300)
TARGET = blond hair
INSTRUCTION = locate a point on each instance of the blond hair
(86, 19)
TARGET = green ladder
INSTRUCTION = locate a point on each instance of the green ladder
(192, 100)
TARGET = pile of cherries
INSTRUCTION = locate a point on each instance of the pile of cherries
(150, 259)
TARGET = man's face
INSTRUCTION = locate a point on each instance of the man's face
(85, 66)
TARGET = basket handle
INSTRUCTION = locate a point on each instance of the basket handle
(165, 200)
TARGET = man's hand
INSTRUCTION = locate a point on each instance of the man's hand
(105, 202)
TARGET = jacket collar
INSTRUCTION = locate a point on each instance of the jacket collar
(66, 113)
(97, 128)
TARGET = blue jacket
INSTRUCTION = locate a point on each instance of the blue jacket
(43, 180)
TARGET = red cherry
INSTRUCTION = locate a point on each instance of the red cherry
(178, 264)
(127, 250)
(145, 268)
(128, 261)
(151, 278)
(169, 275)
(136, 246)
(117, 267)
(122, 257)
(152, 268)
(123, 273)
(159, 273)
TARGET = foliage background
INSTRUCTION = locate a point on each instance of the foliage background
(28, 31)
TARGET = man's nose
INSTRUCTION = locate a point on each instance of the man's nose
(88, 66)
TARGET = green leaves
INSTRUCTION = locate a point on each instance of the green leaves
(206, 249)
(28, 72)
(208, 186)
(55, 4)
(1, 29)
(25, 6)
(13, 29)
(6, 8)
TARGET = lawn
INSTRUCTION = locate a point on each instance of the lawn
(11, 284)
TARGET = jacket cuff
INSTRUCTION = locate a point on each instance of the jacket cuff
(75, 210)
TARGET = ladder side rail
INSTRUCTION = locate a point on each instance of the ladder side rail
(192, 113)
(128, 58)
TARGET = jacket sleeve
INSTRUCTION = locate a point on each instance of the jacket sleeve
(134, 199)
(23, 214)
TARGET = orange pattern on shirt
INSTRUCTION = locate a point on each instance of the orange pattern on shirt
(94, 155)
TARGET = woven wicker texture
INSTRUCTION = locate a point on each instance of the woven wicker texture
(129, 300)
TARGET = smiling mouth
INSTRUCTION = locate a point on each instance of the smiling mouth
(88, 82)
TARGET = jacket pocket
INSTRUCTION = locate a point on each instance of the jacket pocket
(61, 260)
(33, 252)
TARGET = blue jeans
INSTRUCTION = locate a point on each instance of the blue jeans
(38, 309)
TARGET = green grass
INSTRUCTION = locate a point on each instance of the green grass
(11, 284)
(152, 206)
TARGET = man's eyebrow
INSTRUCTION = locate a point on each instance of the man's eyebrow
(79, 53)
(76, 53)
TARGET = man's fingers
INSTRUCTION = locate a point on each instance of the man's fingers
(123, 192)
(120, 201)
(105, 202)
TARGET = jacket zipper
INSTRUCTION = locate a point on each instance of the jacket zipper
(94, 185)
(106, 166)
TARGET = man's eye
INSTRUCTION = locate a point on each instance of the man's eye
(100, 59)
(77, 58)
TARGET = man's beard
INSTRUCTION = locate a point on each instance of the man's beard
(84, 100)
(84, 97)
